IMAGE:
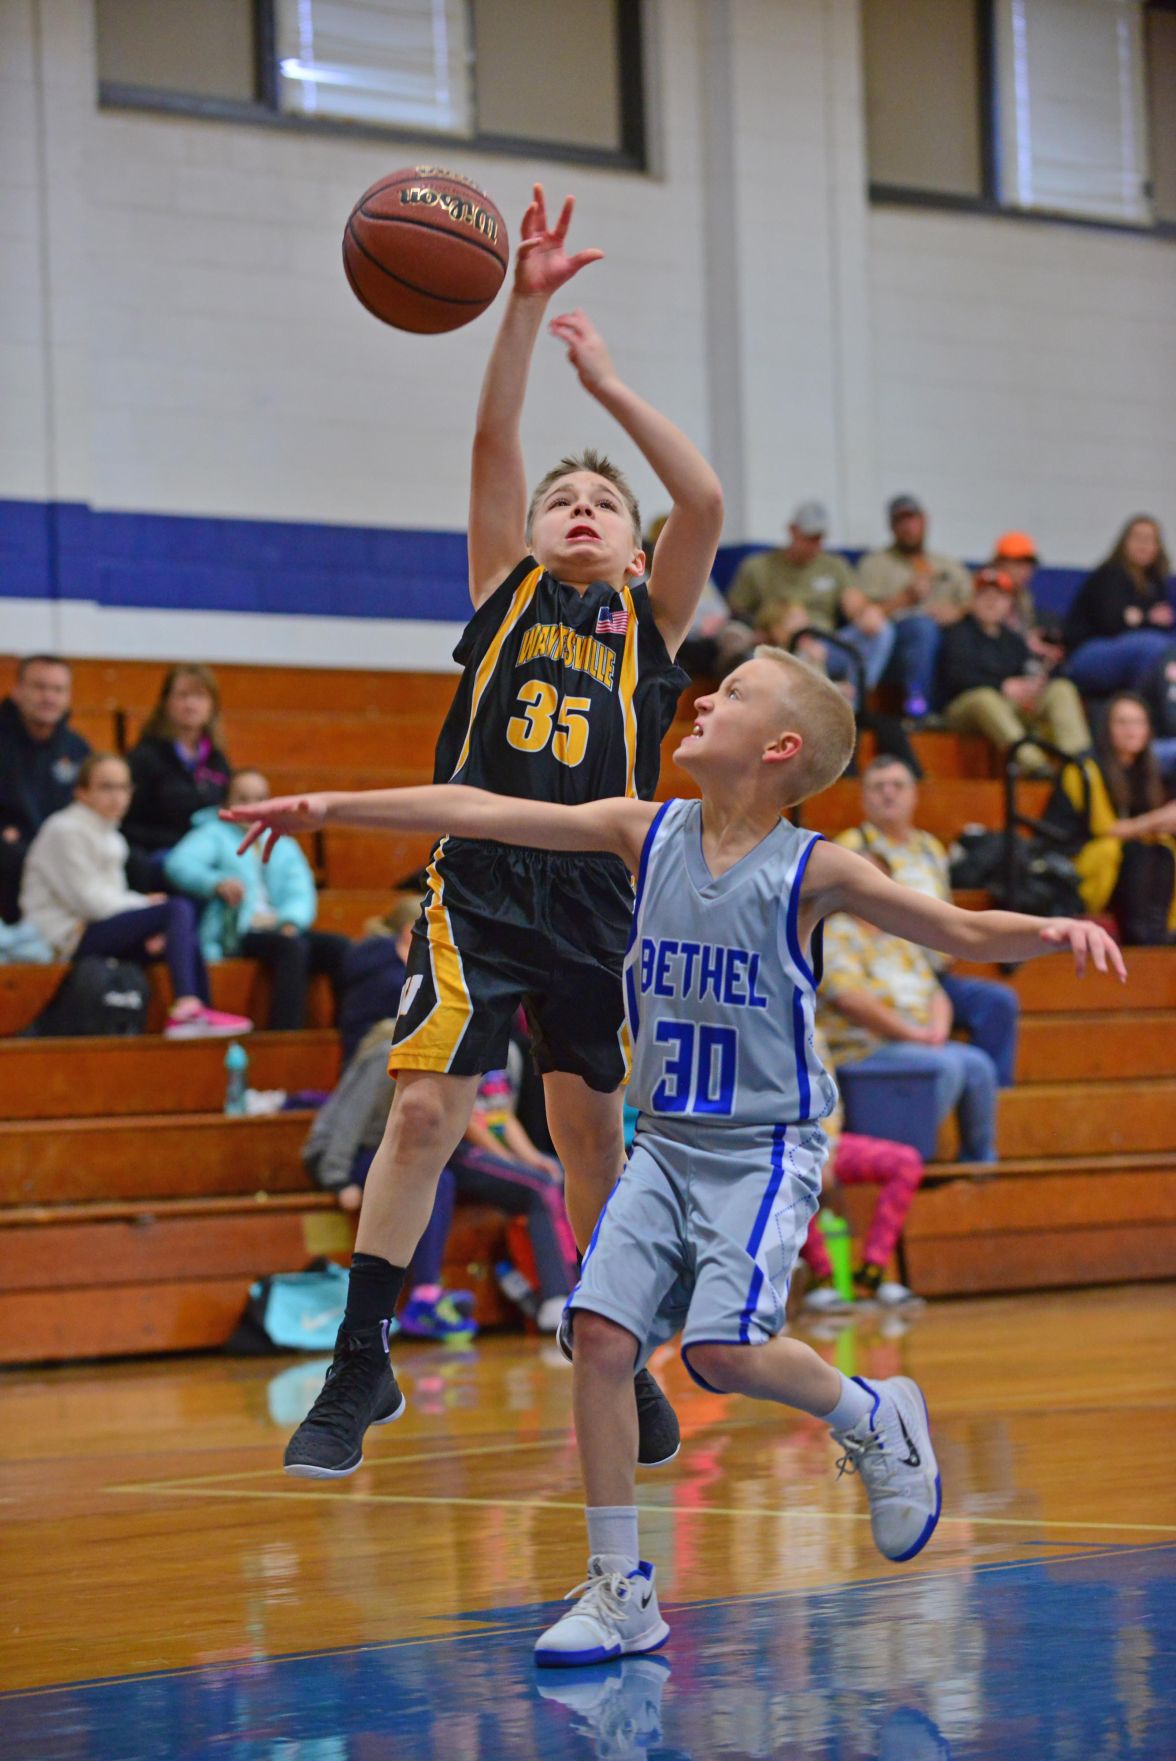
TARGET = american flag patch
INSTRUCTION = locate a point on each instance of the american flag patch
(612, 623)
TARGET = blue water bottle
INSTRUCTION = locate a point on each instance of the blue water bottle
(236, 1063)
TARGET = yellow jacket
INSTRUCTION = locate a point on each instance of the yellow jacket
(1100, 858)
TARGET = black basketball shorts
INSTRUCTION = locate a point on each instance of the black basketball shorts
(502, 927)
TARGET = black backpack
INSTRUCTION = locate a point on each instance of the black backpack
(1044, 879)
(96, 996)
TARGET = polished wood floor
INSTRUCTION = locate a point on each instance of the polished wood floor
(147, 1525)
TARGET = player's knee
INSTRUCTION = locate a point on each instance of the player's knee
(418, 1113)
(720, 1367)
(602, 1345)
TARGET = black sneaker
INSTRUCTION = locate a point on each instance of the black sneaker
(360, 1390)
(659, 1438)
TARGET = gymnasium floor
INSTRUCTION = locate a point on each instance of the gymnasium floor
(168, 1593)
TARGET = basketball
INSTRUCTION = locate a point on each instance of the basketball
(425, 250)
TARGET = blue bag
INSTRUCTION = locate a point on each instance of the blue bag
(293, 1311)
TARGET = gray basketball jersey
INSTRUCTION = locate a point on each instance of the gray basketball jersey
(718, 992)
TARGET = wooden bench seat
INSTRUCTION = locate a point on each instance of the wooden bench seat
(109, 1078)
(103, 1278)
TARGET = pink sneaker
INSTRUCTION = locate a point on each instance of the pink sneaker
(206, 1023)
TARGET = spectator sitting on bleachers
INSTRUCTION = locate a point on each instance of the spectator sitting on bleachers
(1015, 555)
(991, 684)
(505, 1171)
(1158, 691)
(775, 593)
(259, 910)
(987, 1012)
(882, 1009)
(920, 592)
(1124, 846)
(1121, 621)
(497, 1164)
(75, 893)
(39, 759)
(177, 767)
(854, 1160)
(374, 971)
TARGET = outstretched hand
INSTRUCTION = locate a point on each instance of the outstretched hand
(587, 350)
(1088, 941)
(274, 819)
(541, 262)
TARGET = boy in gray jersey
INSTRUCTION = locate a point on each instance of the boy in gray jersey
(704, 1225)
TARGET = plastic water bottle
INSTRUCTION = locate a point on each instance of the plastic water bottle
(236, 1063)
(839, 1242)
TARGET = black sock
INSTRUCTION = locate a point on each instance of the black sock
(373, 1290)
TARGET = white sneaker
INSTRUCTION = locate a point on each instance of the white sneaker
(621, 1707)
(615, 1616)
(826, 1299)
(550, 1314)
(891, 1449)
(890, 1294)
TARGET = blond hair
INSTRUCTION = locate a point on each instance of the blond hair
(824, 721)
(600, 466)
(399, 915)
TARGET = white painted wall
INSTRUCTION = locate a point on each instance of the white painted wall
(176, 334)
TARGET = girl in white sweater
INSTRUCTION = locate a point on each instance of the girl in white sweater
(74, 891)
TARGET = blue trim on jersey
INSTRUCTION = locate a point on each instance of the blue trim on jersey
(779, 1139)
(802, 964)
(804, 1093)
(592, 1243)
(631, 1000)
(818, 952)
(643, 866)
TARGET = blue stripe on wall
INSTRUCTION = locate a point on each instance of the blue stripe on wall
(180, 562)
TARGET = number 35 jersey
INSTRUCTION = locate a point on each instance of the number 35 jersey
(565, 696)
(718, 991)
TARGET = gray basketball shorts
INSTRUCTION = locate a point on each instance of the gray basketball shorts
(701, 1232)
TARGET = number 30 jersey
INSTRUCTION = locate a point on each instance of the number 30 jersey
(718, 991)
(565, 696)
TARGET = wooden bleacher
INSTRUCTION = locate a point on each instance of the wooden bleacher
(134, 1214)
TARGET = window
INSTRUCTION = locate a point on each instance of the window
(924, 125)
(1072, 132)
(1060, 108)
(400, 62)
(511, 75)
(213, 53)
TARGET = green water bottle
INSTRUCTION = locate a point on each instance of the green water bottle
(839, 1243)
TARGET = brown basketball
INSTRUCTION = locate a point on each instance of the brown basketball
(425, 249)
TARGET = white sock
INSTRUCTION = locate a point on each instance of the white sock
(854, 1403)
(612, 1535)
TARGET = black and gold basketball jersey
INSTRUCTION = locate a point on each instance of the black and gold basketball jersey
(565, 697)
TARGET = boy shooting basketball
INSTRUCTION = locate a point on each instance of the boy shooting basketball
(568, 689)
(706, 1222)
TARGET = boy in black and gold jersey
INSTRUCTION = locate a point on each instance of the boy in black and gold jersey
(569, 686)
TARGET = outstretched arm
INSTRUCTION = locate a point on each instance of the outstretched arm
(498, 478)
(618, 825)
(690, 537)
(839, 880)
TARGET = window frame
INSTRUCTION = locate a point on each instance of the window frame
(888, 195)
(631, 155)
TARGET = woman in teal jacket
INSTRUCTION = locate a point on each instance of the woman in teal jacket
(259, 911)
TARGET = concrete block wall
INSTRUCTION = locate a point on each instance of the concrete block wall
(207, 446)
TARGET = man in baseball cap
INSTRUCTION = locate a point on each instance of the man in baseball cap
(801, 583)
(919, 592)
(990, 683)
